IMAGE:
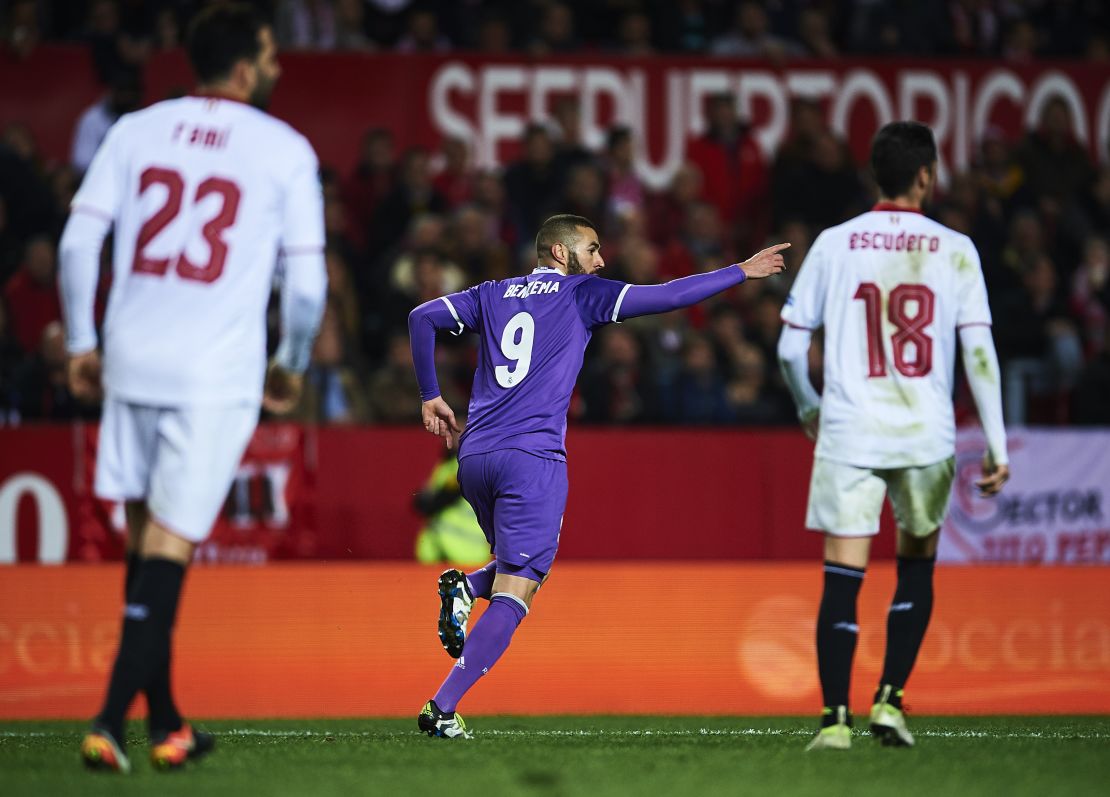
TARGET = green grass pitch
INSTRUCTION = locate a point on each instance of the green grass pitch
(593, 756)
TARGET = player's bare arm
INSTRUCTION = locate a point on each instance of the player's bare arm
(439, 419)
(282, 390)
(994, 476)
(766, 263)
(83, 373)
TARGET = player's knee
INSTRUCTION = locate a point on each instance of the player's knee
(916, 547)
(161, 543)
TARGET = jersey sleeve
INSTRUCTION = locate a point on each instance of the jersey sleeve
(599, 300)
(303, 215)
(102, 191)
(805, 306)
(466, 309)
(974, 309)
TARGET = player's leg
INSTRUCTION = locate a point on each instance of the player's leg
(125, 455)
(458, 590)
(162, 713)
(919, 497)
(845, 503)
(528, 513)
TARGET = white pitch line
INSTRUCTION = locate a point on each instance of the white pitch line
(599, 733)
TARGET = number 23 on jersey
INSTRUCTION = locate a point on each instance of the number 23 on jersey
(212, 232)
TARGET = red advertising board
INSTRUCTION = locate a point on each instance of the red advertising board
(333, 98)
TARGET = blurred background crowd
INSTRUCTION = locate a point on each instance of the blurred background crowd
(407, 225)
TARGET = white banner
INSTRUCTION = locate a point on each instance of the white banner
(1054, 510)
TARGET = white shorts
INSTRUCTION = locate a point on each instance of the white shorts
(845, 501)
(180, 460)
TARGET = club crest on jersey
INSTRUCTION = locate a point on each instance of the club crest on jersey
(520, 290)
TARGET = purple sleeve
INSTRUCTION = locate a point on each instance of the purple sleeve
(455, 313)
(598, 300)
(649, 299)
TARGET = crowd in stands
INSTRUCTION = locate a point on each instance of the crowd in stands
(405, 226)
(128, 31)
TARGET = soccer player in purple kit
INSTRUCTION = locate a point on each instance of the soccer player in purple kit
(512, 457)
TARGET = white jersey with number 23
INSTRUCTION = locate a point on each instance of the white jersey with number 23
(205, 194)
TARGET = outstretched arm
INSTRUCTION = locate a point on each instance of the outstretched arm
(641, 300)
(981, 365)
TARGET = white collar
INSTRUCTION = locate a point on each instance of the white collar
(545, 270)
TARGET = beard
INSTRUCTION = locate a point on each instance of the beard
(574, 266)
(260, 97)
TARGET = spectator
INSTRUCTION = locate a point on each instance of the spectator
(124, 95)
(667, 212)
(413, 196)
(570, 149)
(556, 31)
(627, 194)
(21, 32)
(1038, 346)
(305, 25)
(43, 383)
(476, 247)
(733, 171)
(532, 184)
(372, 180)
(332, 392)
(11, 366)
(1020, 45)
(696, 393)
(392, 387)
(1090, 296)
(751, 37)
(455, 181)
(813, 30)
(423, 35)
(634, 35)
(32, 294)
(702, 241)
(350, 26)
(584, 194)
(489, 196)
(685, 25)
(615, 386)
(1055, 164)
(821, 190)
(120, 42)
(1090, 406)
(494, 35)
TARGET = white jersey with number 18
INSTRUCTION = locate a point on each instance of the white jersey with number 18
(890, 287)
(204, 195)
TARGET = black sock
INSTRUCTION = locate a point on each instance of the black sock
(906, 623)
(162, 713)
(837, 632)
(131, 569)
(145, 643)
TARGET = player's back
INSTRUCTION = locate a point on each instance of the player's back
(534, 331)
(203, 192)
(890, 287)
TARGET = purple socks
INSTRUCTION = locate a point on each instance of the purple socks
(481, 581)
(484, 646)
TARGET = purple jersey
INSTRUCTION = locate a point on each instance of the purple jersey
(534, 330)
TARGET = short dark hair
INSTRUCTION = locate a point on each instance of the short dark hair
(898, 152)
(559, 229)
(221, 36)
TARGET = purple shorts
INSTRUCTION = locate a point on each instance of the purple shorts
(519, 499)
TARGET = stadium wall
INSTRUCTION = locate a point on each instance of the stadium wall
(345, 494)
(334, 97)
(359, 640)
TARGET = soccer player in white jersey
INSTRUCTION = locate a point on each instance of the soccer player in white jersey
(204, 194)
(893, 289)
